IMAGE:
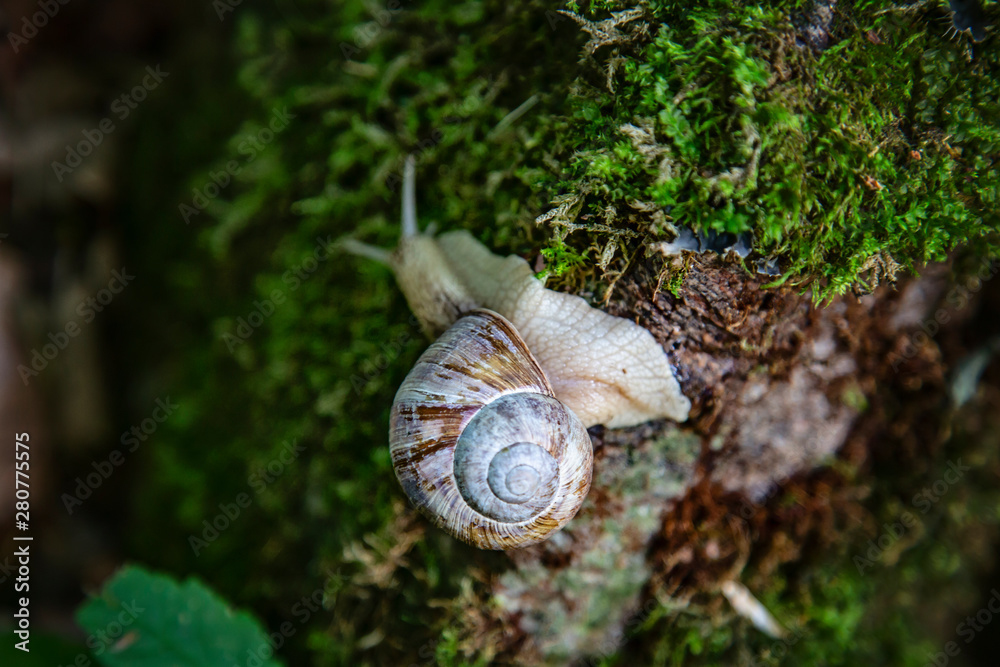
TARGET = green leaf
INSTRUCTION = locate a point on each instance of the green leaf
(141, 619)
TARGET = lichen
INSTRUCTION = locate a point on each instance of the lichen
(580, 607)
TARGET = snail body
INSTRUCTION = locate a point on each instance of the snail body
(488, 431)
(607, 369)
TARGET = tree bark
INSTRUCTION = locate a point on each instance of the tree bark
(782, 389)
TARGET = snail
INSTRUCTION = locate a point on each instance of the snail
(488, 431)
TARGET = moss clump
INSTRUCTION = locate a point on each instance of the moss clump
(881, 152)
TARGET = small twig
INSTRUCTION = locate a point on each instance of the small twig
(360, 249)
(513, 116)
(750, 608)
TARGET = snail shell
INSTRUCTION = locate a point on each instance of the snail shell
(480, 443)
(479, 440)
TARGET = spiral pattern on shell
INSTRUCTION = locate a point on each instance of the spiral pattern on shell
(481, 445)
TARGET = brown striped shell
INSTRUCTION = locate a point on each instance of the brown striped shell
(481, 445)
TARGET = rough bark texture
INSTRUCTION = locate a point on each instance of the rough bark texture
(779, 386)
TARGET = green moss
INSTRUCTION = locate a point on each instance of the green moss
(676, 277)
(560, 259)
(880, 151)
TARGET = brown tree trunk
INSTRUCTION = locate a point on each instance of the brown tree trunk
(782, 389)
